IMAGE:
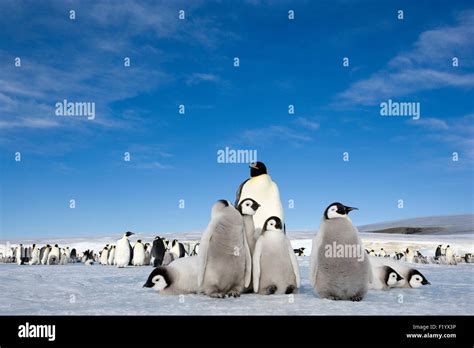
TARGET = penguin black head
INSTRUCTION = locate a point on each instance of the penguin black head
(158, 279)
(416, 279)
(248, 206)
(55, 245)
(128, 234)
(337, 210)
(391, 276)
(257, 168)
(272, 224)
(139, 241)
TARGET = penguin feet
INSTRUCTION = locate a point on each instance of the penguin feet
(233, 293)
(290, 289)
(356, 298)
(217, 295)
(271, 290)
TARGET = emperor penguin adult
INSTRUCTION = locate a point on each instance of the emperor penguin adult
(261, 188)
(339, 267)
(104, 255)
(54, 255)
(224, 257)
(275, 268)
(111, 258)
(450, 258)
(44, 254)
(35, 255)
(158, 251)
(123, 251)
(20, 251)
(409, 255)
(138, 254)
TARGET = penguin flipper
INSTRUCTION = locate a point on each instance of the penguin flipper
(239, 192)
(294, 263)
(248, 262)
(256, 264)
(313, 271)
(203, 248)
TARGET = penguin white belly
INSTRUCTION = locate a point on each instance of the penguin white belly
(44, 260)
(122, 253)
(138, 255)
(54, 256)
(104, 257)
(111, 259)
(265, 192)
(18, 255)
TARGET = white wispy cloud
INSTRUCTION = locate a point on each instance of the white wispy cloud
(196, 78)
(426, 66)
(457, 132)
(307, 123)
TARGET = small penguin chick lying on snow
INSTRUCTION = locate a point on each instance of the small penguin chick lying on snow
(384, 278)
(179, 277)
(412, 278)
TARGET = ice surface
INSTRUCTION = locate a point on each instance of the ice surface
(76, 289)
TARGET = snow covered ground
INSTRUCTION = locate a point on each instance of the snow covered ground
(97, 290)
(76, 289)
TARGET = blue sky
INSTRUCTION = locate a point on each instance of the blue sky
(190, 62)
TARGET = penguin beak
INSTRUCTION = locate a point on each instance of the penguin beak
(253, 165)
(425, 282)
(148, 284)
(399, 277)
(349, 209)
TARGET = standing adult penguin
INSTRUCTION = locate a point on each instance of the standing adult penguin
(438, 252)
(123, 251)
(19, 252)
(104, 255)
(224, 257)
(147, 254)
(44, 254)
(177, 249)
(450, 259)
(275, 268)
(263, 190)
(54, 255)
(138, 254)
(158, 251)
(334, 274)
(111, 258)
(35, 255)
